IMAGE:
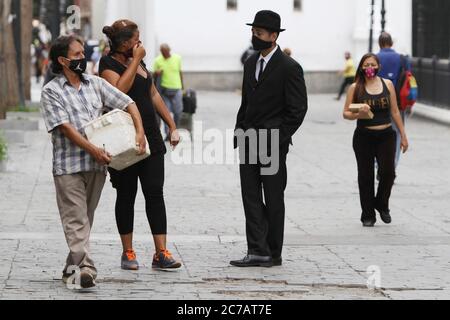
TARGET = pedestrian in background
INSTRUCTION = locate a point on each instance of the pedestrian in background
(168, 67)
(247, 54)
(348, 74)
(392, 65)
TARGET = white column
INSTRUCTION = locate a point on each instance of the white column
(98, 18)
(143, 13)
(362, 27)
(399, 25)
(115, 10)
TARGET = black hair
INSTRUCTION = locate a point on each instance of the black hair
(385, 40)
(60, 48)
(119, 32)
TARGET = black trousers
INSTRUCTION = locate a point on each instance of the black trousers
(150, 172)
(347, 82)
(263, 198)
(370, 145)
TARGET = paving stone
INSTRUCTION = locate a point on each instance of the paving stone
(327, 253)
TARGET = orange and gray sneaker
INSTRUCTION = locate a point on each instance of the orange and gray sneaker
(128, 261)
(163, 260)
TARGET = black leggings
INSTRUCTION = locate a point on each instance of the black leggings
(150, 173)
(370, 145)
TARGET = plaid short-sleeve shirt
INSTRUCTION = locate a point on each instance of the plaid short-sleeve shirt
(61, 103)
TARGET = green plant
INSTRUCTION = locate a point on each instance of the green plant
(24, 109)
(3, 148)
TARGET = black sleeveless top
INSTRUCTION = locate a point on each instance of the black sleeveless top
(380, 105)
(141, 95)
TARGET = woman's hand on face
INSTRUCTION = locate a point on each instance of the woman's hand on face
(139, 52)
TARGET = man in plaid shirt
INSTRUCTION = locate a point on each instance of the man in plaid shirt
(68, 103)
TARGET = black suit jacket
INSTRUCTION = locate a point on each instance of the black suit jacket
(277, 101)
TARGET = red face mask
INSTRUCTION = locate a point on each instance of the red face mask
(370, 72)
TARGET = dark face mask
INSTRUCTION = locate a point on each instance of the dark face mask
(78, 66)
(127, 54)
(260, 45)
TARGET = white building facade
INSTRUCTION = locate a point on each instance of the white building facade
(211, 36)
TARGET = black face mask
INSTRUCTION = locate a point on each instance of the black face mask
(260, 45)
(127, 54)
(78, 66)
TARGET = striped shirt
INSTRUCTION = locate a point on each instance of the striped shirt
(61, 103)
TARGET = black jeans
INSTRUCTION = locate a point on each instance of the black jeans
(370, 145)
(150, 173)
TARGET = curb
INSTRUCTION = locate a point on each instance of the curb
(436, 114)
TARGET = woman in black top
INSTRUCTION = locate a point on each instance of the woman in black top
(124, 69)
(374, 139)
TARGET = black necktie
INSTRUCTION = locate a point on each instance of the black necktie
(261, 70)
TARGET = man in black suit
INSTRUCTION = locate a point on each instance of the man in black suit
(274, 105)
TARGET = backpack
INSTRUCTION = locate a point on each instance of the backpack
(407, 88)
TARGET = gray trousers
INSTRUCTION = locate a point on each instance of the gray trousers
(77, 196)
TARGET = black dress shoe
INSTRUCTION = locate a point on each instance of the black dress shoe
(253, 261)
(277, 262)
(368, 223)
(385, 216)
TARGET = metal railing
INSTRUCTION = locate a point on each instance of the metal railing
(433, 78)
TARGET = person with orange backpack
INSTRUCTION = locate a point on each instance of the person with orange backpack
(397, 68)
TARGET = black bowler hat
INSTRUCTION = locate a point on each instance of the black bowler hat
(267, 19)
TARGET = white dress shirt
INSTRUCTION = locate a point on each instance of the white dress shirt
(266, 62)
